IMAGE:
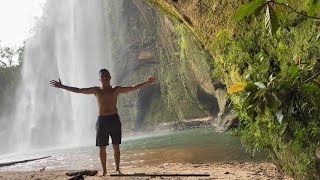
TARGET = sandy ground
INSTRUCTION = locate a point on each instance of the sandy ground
(242, 170)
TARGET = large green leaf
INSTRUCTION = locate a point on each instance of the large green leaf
(313, 6)
(271, 20)
(248, 9)
(250, 87)
(294, 71)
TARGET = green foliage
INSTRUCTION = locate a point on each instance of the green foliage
(247, 9)
(282, 113)
(312, 7)
(278, 111)
(271, 20)
(10, 56)
(10, 70)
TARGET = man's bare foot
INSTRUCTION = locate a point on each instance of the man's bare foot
(118, 172)
(102, 173)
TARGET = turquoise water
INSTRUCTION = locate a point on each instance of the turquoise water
(202, 145)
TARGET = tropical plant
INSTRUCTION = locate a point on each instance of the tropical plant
(278, 106)
(271, 19)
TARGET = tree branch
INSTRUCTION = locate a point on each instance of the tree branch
(311, 77)
(313, 17)
(3, 63)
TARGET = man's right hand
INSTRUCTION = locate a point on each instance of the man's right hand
(56, 84)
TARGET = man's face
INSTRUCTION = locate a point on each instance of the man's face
(104, 77)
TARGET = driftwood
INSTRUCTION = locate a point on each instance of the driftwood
(154, 175)
(82, 173)
(23, 161)
(79, 177)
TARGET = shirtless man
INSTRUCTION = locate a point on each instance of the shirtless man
(108, 122)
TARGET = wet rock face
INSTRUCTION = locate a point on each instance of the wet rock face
(185, 89)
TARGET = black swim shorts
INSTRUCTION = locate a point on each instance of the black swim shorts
(108, 125)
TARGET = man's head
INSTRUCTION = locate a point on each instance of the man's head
(104, 75)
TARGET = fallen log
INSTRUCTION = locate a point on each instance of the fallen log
(23, 161)
(154, 175)
(82, 172)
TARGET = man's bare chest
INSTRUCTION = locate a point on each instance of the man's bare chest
(106, 95)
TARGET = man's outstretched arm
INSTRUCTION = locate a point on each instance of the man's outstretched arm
(58, 84)
(150, 80)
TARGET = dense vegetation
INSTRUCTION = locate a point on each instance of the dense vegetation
(279, 109)
(10, 69)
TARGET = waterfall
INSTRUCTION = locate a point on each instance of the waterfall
(72, 41)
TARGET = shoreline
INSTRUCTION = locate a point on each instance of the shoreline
(204, 122)
(225, 170)
(217, 170)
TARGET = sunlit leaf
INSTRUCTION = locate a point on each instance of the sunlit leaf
(249, 77)
(282, 46)
(261, 56)
(257, 134)
(260, 85)
(236, 87)
(283, 128)
(271, 78)
(279, 116)
(248, 9)
(271, 20)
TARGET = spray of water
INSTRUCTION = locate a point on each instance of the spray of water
(71, 42)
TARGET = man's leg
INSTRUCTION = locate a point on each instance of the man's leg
(103, 159)
(116, 151)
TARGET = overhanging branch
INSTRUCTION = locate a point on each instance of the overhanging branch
(287, 6)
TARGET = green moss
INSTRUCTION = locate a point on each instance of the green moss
(163, 7)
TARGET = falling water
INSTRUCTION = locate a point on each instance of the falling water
(72, 42)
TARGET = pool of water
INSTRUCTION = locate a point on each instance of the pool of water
(202, 145)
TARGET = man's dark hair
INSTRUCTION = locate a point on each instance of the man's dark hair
(104, 71)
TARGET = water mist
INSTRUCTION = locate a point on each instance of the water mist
(72, 42)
